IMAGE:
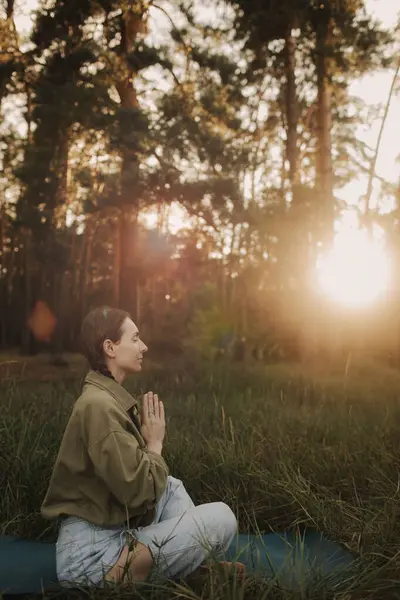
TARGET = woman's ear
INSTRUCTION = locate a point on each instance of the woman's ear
(108, 348)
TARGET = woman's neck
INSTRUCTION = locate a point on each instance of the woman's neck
(112, 373)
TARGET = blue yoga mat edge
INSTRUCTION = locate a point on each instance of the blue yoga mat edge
(292, 559)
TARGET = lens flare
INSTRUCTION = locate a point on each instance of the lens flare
(357, 271)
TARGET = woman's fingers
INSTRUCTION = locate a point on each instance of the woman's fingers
(162, 414)
(156, 406)
(150, 404)
(145, 406)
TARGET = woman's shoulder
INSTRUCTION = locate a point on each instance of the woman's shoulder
(92, 396)
(103, 402)
(97, 413)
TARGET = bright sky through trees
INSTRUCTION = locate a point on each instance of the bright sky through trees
(357, 269)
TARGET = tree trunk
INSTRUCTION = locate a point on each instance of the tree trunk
(71, 299)
(324, 171)
(292, 239)
(79, 282)
(125, 271)
(133, 26)
(3, 275)
(29, 112)
(129, 273)
(11, 270)
(10, 9)
(117, 261)
(62, 169)
(84, 275)
(138, 303)
(27, 337)
(64, 301)
(87, 275)
(9, 47)
(60, 308)
(291, 107)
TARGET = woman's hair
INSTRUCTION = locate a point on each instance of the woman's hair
(100, 324)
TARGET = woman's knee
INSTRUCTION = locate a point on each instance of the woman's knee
(174, 482)
(227, 519)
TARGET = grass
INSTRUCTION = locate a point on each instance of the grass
(282, 445)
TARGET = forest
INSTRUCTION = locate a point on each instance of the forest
(185, 161)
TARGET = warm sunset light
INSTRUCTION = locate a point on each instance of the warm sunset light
(357, 271)
(200, 198)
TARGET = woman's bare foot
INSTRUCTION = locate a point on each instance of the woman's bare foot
(229, 567)
(133, 565)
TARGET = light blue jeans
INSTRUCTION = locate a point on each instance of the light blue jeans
(180, 538)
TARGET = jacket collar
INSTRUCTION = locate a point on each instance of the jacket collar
(112, 387)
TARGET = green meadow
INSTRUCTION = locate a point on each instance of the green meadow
(284, 446)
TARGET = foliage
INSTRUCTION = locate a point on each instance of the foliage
(116, 119)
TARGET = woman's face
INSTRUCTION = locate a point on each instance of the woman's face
(127, 354)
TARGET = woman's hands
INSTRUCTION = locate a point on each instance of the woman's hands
(153, 422)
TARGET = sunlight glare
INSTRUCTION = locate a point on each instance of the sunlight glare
(357, 271)
(176, 218)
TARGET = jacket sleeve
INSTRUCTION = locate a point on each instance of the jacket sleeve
(136, 477)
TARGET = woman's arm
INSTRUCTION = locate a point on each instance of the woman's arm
(136, 476)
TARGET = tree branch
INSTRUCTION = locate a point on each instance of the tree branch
(173, 25)
(195, 213)
(378, 143)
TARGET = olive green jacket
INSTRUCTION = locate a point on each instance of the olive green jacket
(104, 472)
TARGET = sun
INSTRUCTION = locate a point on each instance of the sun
(357, 271)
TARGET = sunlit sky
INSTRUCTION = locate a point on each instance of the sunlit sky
(337, 273)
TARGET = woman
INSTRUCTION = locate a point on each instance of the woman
(122, 516)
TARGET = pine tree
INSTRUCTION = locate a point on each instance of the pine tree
(330, 43)
(88, 50)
